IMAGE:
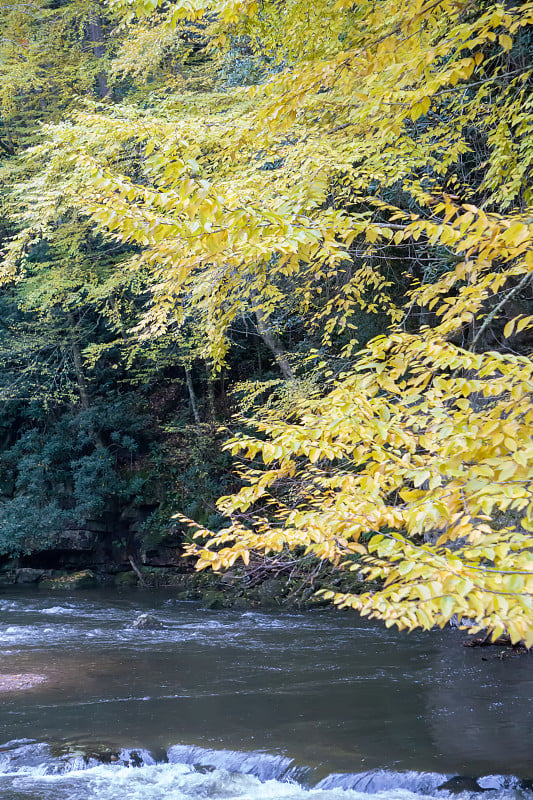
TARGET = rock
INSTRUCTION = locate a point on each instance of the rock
(28, 575)
(147, 622)
(163, 557)
(241, 603)
(152, 576)
(105, 579)
(128, 578)
(460, 783)
(177, 580)
(213, 599)
(79, 539)
(303, 598)
(270, 592)
(76, 580)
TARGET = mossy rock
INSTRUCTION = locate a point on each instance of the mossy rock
(241, 603)
(177, 580)
(271, 592)
(153, 577)
(213, 599)
(126, 579)
(166, 577)
(76, 580)
(302, 597)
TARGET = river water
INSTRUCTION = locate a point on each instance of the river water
(251, 705)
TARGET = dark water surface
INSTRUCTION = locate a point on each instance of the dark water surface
(239, 704)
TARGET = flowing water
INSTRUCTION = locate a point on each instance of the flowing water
(252, 705)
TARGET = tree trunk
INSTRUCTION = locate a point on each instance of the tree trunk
(78, 364)
(96, 37)
(210, 393)
(80, 376)
(274, 345)
(192, 396)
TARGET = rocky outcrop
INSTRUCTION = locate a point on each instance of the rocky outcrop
(79, 539)
(29, 575)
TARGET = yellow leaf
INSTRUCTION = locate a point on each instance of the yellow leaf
(526, 322)
(509, 328)
(505, 41)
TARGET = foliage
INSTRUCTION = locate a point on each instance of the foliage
(49, 53)
(57, 476)
(381, 164)
(428, 472)
(421, 438)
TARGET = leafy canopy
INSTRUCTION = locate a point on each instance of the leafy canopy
(380, 133)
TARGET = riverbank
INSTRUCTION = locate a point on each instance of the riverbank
(242, 589)
(260, 585)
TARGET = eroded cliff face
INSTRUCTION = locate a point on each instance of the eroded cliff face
(111, 549)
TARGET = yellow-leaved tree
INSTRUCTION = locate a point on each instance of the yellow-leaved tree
(381, 163)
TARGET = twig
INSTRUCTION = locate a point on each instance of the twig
(520, 285)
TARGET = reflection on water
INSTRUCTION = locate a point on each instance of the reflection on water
(325, 689)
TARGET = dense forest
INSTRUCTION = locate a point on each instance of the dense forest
(266, 297)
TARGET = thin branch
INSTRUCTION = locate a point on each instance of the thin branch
(520, 285)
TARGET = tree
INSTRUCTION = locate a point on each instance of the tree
(380, 134)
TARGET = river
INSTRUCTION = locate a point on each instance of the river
(251, 705)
